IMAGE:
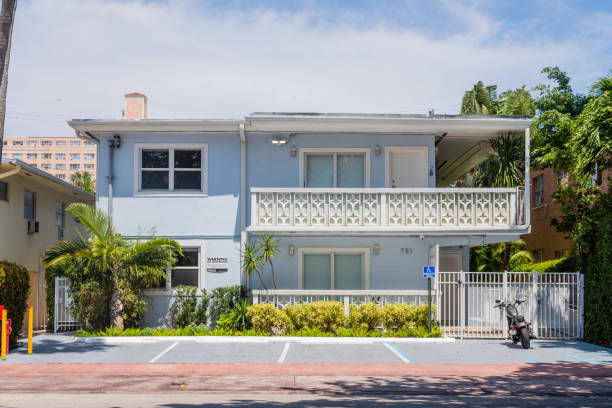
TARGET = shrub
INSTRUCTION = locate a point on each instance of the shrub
(327, 316)
(421, 319)
(186, 309)
(399, 315)
(90, 305)
(367, 316)
(133, 304)
(14, 290)
(236, 320)
(267, 319)
(224, 299)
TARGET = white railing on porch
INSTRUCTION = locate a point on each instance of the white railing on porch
(393, 209)
(284, 298)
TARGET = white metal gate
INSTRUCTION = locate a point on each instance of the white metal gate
(63, 320)
(554, 304)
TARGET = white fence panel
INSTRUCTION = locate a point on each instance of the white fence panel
(63, 319)
(466, 300)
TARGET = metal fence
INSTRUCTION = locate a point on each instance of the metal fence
(63, 319)
(555, 303)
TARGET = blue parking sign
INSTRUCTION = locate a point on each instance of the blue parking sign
(429, 271)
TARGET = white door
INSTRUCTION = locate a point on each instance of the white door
(407, 167)
(450, 261)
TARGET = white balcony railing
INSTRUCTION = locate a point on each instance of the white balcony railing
(284, 298)
(392, 209)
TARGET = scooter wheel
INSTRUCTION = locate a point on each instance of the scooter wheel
(525, 338)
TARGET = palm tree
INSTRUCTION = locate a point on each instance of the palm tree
(490, 257)
(504, 168)
(83, 180)
(7, 17)
(268, 246)
(480, 100)
(517, 102)
(107, 255)
(252, 262)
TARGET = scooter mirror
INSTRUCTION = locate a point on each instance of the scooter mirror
(497, 301)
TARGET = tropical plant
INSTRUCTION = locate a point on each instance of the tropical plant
(224, 299)
(237, 319)
(480, 100)
(84, 181)
(490, 257)
(187, 310)
(252, 262)
(268, 247)
(516, 102)
(14, 291)
(113, 261)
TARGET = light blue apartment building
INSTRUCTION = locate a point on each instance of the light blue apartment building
(358, 202)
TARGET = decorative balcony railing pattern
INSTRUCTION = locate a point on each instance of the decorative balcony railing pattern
(283, 298)
(394, 208)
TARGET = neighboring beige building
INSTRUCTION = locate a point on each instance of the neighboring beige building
(59, 156)
(32, 218)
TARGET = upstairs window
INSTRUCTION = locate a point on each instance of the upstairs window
(29, 205)
(75, 143)
(74, 166)
(60, 156)
(60, 143)
(60, 166)
(175, 169)
(75, 156)
(32, 142)
(60, 220)
(348, 168)
(46, 143)
(45, 166)
(88, 156)
(31, 155)
(3, 191)
(538, 191)
(89, 167)
(17, 142)
(46, 156)
(89, 143)
(17, 155)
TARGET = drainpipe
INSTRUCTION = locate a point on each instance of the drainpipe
(243, 193)
(527, 198)
(9, 173)
(113, 144)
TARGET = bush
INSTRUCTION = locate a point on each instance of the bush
(556, 265)
(327, 316)
(90, 305)
(267, 319)
(14, 290)
(224, 299)
(133, 304)
(236, 320)
(367, 316)
(186, 309)
(398, 316)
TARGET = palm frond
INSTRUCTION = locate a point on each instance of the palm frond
(96, 221)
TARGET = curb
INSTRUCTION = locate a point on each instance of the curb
(259, 340)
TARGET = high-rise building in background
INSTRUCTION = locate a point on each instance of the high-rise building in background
(59, 156)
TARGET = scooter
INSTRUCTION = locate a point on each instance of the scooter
(516, 322)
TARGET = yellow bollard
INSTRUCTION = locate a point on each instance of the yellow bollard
(3, 342)
(30, 326)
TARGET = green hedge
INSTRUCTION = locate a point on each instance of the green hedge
(14, 290)
(554, 265)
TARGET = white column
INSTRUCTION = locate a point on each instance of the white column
(527, 179)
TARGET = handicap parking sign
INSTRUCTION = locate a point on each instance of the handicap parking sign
(429, 271)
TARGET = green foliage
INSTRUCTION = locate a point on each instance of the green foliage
(366, 316)
(14, 291)
(224, 300)
(121, 267)
(480, 100)
(490, 257)
(398, 316)
(327, 316)
(268, 319)
(554, 265)
(50, 274)
(255, 255)
(516, 102)
(90, 304)
(187, 310)
(84, 181)
(236, 320)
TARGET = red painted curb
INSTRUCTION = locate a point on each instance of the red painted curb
(311, 369)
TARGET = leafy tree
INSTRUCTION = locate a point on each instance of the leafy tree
(480, 100)
(84, 181)
(252, 263)
(268, 247)
(516, 103)
(254, 255)
(121, 267)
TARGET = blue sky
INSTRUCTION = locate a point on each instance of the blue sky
(76, 58)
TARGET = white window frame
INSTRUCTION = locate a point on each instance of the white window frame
(171, 147)
(365, 263)
(192, 243)
(392, 149)
(334, 152)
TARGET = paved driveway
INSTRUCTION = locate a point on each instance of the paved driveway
(49, 348)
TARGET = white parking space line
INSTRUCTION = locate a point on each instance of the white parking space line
(398, 352)
(283, 355)
(160, 355)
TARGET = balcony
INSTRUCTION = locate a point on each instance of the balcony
(387, 210)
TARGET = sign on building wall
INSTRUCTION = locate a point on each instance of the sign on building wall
(217, 264)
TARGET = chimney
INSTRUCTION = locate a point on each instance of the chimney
(135, 106)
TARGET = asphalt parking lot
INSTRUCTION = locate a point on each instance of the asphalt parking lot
(50, 348)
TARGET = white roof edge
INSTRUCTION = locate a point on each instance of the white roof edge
(155, 125)
(35, 170)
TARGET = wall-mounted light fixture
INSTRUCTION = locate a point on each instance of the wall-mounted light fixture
(375, 249)
(293, 151)
(278, 142)
(291, 250)
(377, 150)
(431, 170)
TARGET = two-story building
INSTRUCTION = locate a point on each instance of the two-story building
(357, 201)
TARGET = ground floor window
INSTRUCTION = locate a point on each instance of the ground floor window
(186, 271)
(334, 269)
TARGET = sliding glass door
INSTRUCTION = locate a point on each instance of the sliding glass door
(333, 270)
(335, 170)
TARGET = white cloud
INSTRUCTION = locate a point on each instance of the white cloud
(77, 58)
